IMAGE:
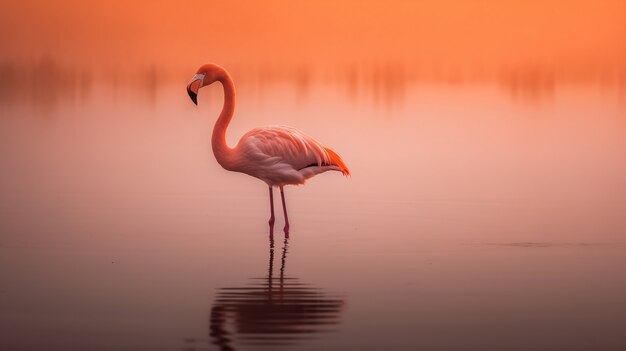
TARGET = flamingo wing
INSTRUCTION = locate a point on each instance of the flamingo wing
(276, 153)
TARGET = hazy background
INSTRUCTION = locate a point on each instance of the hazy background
(525, 46)
(486, 142)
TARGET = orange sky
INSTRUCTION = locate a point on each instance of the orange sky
(475, 34)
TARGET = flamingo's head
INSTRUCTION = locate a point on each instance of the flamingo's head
(206, 75)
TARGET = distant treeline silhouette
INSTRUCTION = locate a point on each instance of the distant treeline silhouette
(45, 81)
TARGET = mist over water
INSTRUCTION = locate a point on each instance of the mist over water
(45, 81)
(484, 211)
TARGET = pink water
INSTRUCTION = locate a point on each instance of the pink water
(475, 219)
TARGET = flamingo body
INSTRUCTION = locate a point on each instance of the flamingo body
(277, 155)
(281, 155)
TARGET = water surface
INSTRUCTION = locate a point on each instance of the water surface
(475, 218)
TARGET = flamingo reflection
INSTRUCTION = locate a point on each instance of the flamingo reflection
(272, 311)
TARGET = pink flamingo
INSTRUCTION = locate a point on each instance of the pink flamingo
(277, 155)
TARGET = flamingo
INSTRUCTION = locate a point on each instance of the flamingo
(277, 155)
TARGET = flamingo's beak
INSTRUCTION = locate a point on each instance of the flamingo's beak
(194, 86)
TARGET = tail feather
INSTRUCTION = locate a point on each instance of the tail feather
(337, 161)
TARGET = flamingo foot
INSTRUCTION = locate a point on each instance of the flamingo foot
(271, 224)
(271, 221)
(282, 197)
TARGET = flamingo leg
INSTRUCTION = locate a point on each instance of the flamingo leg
(271, 221)
(282, 196)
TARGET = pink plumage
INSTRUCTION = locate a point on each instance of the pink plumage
(282, 155)
(277, 155)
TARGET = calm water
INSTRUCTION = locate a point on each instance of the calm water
(477, 218)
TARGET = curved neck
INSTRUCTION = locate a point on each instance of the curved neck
(220, 149)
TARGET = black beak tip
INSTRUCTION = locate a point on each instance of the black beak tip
(193, 96)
